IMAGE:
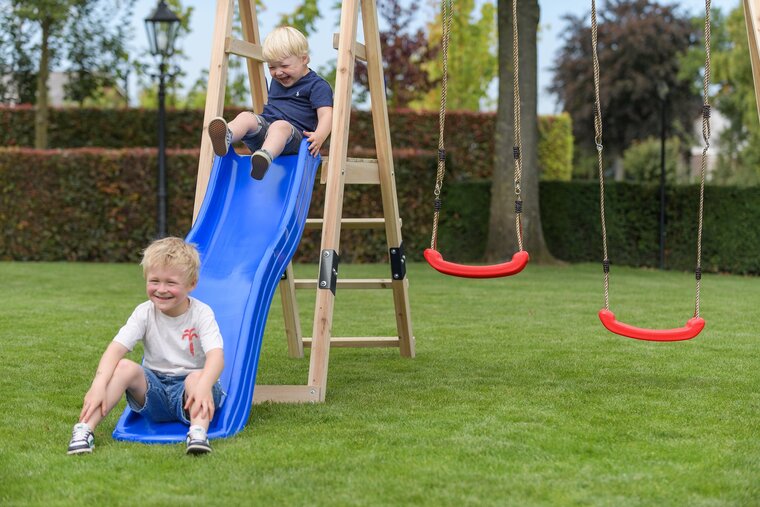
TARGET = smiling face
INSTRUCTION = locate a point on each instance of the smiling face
(168, 289)
(289, 70)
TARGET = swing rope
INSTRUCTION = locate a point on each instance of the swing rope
(520, 259)
(695, 325)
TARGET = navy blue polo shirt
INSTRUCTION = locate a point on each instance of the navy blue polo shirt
(298, 104)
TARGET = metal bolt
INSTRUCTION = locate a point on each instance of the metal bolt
(395, 275)
(326, 254)
(323, 284)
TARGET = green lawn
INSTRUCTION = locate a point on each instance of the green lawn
(517, 396)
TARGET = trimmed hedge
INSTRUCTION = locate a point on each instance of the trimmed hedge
(572, 226)
(469, 136)
(100, 205)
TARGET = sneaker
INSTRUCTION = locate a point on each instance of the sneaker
(221, 136)
(82, 439)
(260, 161)
(197, 441)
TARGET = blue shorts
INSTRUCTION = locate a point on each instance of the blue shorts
(255, 140)
(165, 397)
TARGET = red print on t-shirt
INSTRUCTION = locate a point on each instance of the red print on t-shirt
(190, 335)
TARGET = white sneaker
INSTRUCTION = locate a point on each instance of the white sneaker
(197, 441)
(221, 136)
(82, 439)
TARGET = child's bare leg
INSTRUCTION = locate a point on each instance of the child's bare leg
(202, 418)
(128, 375)
(277, 136)
(223, 134)
(244, 123)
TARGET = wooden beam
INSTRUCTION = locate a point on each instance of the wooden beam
(359, 171)
(244, 49)
(348, 283)
(349, 223)
(287, 394)
(217, 83)
(359, 341)
(360, 51)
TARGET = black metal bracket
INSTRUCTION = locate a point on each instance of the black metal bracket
(398, 262)
(328, 270)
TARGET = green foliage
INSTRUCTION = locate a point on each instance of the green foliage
(555, 147)
(642, 161)
(740, 142)
(472, 63)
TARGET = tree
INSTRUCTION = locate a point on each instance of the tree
(472, 62)
(640, 44)
(502, 242)
(19, 74)
(735, 99)
(45, 22)
(405, 53)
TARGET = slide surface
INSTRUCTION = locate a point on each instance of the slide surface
(246, 231)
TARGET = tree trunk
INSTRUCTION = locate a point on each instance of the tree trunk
(41, 106)
(502, 237)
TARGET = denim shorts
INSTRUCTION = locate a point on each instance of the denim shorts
(164, 399)
(255, 140)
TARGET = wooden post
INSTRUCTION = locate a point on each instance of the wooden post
(752, 19)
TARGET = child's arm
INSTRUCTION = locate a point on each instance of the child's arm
(96, 396)
(324, 125)
(200, 400)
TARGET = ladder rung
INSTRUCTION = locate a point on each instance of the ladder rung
(350, 283)
(359, 341)
(243, 48)
(358, 171)
(349, 223)
(360, 50)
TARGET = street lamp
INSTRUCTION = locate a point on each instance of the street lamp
(162, 28)
(662, 92)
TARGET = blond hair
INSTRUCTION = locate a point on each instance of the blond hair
(173, 253)
(282, 42)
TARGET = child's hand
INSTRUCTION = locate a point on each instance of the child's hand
(315, 142)
(94, 399)
(200, 403)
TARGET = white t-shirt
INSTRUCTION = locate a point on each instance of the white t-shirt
(173, 345)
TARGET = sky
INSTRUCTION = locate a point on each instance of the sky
(198, 44)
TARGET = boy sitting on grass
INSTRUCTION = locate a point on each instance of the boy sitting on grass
(179, 377)
(299, 104)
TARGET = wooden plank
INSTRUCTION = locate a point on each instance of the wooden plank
(359, 341)
(217, 82)
(256, 74)
(381, 124)
(293, 332)
(752, 19)
(349, 223)
(333, 210)
(287, 394)
(358, 171)
(245, 49)
(360, 49)
(348, 283)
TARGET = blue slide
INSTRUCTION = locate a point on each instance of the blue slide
(246, 231)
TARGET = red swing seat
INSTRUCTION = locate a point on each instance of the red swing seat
(512, 267)
(692, 328)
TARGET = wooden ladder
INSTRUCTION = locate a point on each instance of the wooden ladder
(340, 170)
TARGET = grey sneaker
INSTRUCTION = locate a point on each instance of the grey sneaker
(221, 136)
(197, 441)
(82, 439)
(260, 161)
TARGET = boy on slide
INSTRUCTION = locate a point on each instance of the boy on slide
(299, 105)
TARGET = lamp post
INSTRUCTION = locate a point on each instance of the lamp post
(162, 28)
(662, 92)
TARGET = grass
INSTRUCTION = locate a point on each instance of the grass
(517, 396)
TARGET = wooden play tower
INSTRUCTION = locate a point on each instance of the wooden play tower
(339, 172)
